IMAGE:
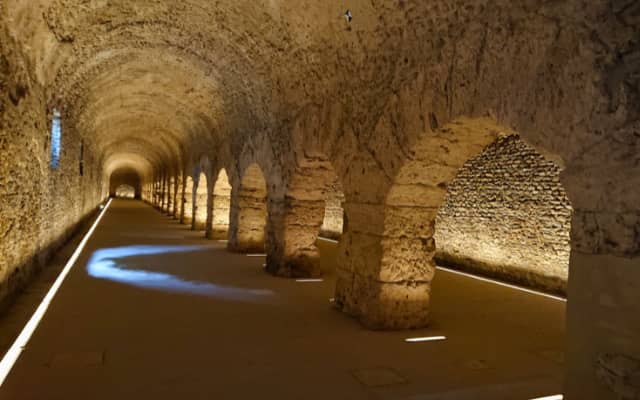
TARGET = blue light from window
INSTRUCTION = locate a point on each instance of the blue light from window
(56, 134)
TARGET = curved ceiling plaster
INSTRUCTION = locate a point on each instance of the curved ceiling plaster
(190, 74)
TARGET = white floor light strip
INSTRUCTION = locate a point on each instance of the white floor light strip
(425, 339)
(324, 239)
(554, 397)
(21, 342)
(453, 271)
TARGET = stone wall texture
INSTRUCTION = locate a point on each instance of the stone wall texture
(506, 214)
(40, 207)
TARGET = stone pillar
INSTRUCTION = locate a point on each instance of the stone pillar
(384, 274)
(163, 193)
(193, 207)
(182, 198)
(170, 204)
(248, 220)
(208, 229)
(292, 232)
(156, 194)
(603, 308)
(176, 197)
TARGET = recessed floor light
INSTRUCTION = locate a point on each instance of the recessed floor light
(308, 280)
(20, 343)
(327, 239)
(553, 397)
(425, 339)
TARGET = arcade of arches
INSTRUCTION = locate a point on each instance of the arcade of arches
(496, 139)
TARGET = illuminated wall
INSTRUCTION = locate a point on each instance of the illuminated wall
(43, 193)
(188, 201)
(221, 206)
(333, 213)
(507, 215)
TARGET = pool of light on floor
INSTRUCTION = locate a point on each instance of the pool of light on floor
(111, 264)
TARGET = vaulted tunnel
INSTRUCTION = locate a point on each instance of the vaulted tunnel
(461, 175)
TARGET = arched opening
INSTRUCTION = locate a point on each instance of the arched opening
(251, 211)
(506, 215)
(125, 176)
(125, 192)
(188, 201)
(202, 193)
(399, 278)
(221, 206)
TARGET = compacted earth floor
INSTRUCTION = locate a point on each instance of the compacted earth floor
(151, 310)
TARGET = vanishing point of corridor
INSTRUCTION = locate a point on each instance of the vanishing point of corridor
(152, 310)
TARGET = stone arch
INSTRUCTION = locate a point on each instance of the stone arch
(221, 206)
(387, 283)
(247, 234)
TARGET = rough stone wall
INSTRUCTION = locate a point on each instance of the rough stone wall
(507, 215)
(39, 206)
(201, 198)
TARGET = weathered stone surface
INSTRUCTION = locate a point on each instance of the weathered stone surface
(621, 373)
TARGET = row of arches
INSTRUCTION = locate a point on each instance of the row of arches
(387, 249)
(209, 208)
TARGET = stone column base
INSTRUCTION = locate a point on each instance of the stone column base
(383, 305)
